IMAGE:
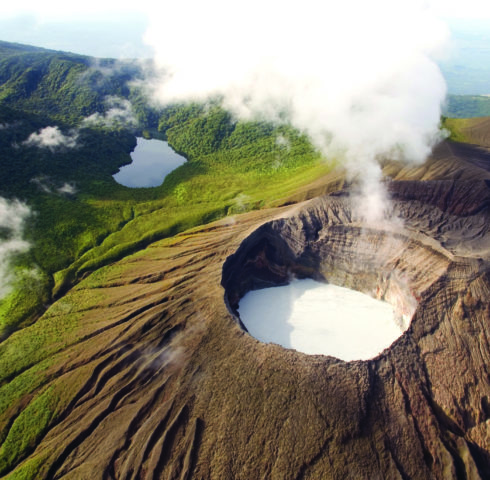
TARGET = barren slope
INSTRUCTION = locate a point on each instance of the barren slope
(152, 376)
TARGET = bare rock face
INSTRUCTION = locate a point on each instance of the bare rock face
(411, 406)
(156, 378)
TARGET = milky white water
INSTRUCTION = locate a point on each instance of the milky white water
(318, 318)
(152, 161)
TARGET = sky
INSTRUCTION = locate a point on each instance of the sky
(99, 34)
(113, 28)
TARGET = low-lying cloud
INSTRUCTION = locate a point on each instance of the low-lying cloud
(119, 112)
(67, 189)
(47, 185)
(52, 138)
(6, 126)
(358, 77)
(12, 218)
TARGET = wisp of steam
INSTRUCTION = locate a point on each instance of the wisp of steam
(358, 77)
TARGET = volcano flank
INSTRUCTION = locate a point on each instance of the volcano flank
(161, 380)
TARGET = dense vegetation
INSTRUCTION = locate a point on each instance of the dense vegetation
(63, 86)
(82, 219)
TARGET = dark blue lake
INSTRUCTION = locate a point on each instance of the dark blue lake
(152, 161)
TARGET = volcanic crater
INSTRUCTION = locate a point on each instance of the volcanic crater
(156, 378)
(329, 243)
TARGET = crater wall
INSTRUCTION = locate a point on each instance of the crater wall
(152, 377)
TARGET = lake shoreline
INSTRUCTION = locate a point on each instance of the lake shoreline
(152, 161)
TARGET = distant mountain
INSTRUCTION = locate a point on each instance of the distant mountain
(8, 48)
(67, 87)
(467, 106)
(467, 67)
(64, 86)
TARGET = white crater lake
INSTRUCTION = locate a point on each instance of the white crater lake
(319, 318)
(152, 161)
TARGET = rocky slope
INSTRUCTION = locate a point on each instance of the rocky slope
(153, 377)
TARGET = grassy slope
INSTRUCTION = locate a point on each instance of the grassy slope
(469, 130)
(224, 175)
(232, 167)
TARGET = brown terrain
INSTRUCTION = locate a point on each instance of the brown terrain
(477, 131)
(156, 379)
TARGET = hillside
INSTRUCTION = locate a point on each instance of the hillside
(123, 356)
(9, 49)
(142, 371)
(470, 130)
(467, 106)
(101, 221)
(66, 87)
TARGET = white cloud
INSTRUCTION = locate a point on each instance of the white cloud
(12, 217)
(67, 189)
(48, 185)
(358, 77)
(119, 112)
(43, 182)
(52, 138)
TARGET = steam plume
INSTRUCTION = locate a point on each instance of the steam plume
(358, 77)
